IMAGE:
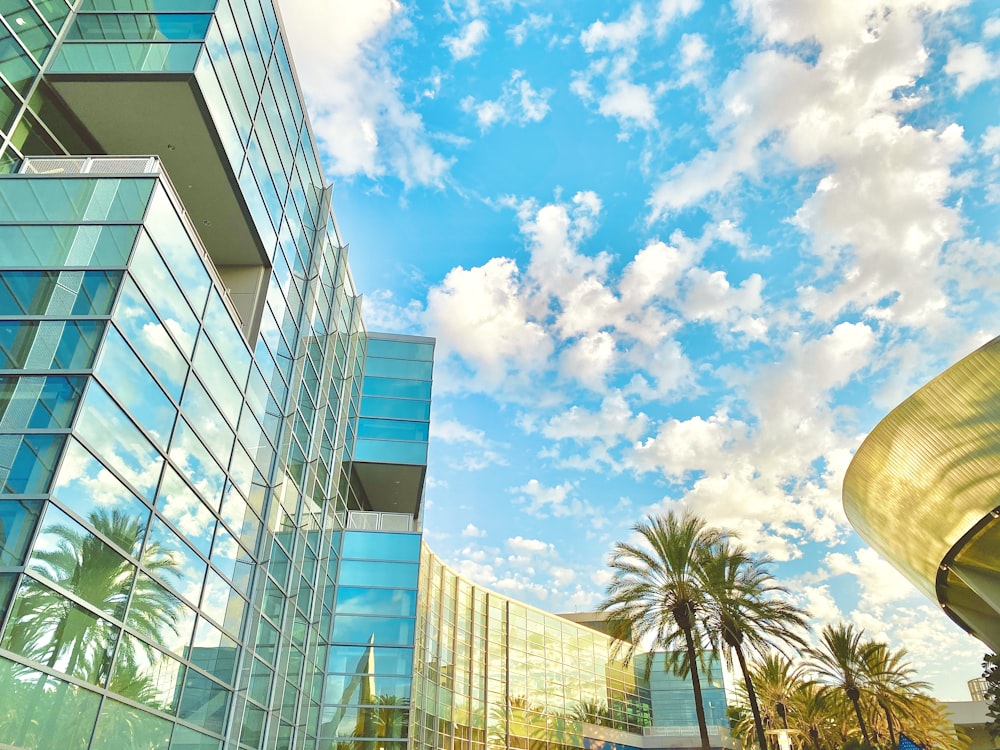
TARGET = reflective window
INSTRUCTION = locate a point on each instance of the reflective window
(240, 517)
(398, 368)
(121, 725)
(70, 556)
(202, 413)
(390, 452)
(400, 349)
(215, 652)
(173, 561)
(57, 292)
(150, 338)
(172, 239)
(209, 366)
(352, 688)
(396, 388)
(154, 278)
(47, 627)
(38, 246)
(190, 6)
(157, 614)
(30, 700)
(186, 738)
(366, 601)
(85, 486)
(370, 722)
(204, 702)
(227, 338)
(221, 602)
(382, 630)
(184, 509)
(68, 200)
(126, 57)
(27, 462)
(29, 344)
(395, 408)
(138, 26)
(392, 429)
(197, 464)
(17, 524)
(373, 545)
(38, 402)
(118, 441)
(234, 561)
(124, 376)
(146, 675)
(17, 65)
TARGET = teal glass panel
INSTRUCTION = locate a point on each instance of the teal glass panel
(386, 452)
(31, 460)
(31, 699)
(7, 583)
(68, 200)
(124, 727)
(398, 368)
(396, 388)
(154, 612)
(70, 556)
(227, 338)
(159, 286)
(214, 652)
(121, 372)
(392, 429)
(221, 602)
(377, 660)
(57, 293)
(55, 12)
(234, 561)
(29, 344)
(241, 519)
(126, 57)
(118, 441)
(204, 702)
(152, 339)
(17, 524)
(197, 464)
(365, 601)
(371, 722)
(364, 573)
(180, 567)
(179, 504)
(173, 241)
(395, 408)
(186, 738)
(173, 27)
(210, 367)
(125, 6)
(28, 26)
(46, 626)
(65, 245)
(15, 63)
(87, 488)
(345, 688)
(374, 545)
(41, 403)
(400, 349)
(146, 675)
(9, 105)
(252, 727)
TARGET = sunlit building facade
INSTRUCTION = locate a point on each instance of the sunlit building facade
(923, 490)
(211, 473)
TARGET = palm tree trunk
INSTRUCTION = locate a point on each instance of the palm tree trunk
(699, 709)
(752, 695)
(853, 695)
(888, 720)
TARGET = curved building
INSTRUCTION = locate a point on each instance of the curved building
(924, 491)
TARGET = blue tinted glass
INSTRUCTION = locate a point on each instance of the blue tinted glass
(204, 702)
(75, 350)
(139, 26)
(363, 573)
(155, 280)
(17, 524)
(382, 630)
(387, 452)
(174, 562)
(32, 460)
(374, 545)
(39, 402)
(197, 464)
(395, 408)
(400, 349)
(362, 659)
(184, 509)
(364, 601)
(173, 241)
(69, 200)
(57, 293)
(398, 368)
(396, 388)
(392, 429)
(40, 246)
(126, 57)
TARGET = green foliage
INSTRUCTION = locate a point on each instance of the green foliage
(991, 673)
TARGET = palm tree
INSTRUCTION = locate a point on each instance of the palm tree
(775, 680)
(813, 710)
(657, 591)
(840, 662)
(745, 612)
(889, 679)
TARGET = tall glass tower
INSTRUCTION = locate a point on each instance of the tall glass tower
(198, 438)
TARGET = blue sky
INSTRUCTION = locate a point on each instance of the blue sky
(675, 253)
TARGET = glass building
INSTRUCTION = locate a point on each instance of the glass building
(211, 473)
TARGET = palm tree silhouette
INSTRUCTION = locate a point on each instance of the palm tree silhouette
(840, 662)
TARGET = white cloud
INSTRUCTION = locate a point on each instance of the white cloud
(615, 35)
(545, 501)
(353, 93)
(669, 10)
(629, 103)
(471, 530)
(532, 23)
(970, 65)
(468, 42)
(518, 102)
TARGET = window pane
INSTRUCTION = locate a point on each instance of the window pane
(155, 280)
(17, 523)
(197, 464)
(383, 630)
(392, 429)
(215, 652)
(146, 675)
(27, 462)
(41, 246)
(390, 452)
(38, 402)
(376, 601)
(120, 726)
(396, 388)
(126, 57)
(173, 241)
(176, 564)
(139, 26)
(86, 487)
(57, 292)
(377, 546)
(398, 368)
(400, 349)
(395, 408)
(204, 702)
(185, 510)
(157, 614)
(25, 344)
(54, 200)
